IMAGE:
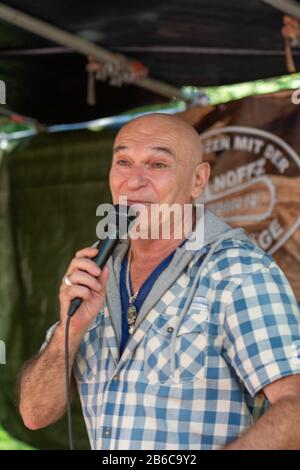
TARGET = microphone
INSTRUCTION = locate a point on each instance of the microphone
(118, 219)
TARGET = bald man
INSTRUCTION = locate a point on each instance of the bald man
(173, 348)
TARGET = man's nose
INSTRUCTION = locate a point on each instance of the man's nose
(136, 178)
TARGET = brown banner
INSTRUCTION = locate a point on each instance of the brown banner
(253, 146)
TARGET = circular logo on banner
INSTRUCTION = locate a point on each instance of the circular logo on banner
(255, 184)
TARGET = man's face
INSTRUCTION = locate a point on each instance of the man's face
(152, 163)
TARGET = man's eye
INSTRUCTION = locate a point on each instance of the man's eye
(122, 162)
(159, 165)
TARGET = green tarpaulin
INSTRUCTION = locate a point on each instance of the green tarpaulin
(49, 193)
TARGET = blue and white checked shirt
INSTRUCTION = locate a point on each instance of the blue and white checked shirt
(191, 382)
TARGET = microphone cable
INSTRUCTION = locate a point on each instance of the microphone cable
(106, 248)
(68, 384)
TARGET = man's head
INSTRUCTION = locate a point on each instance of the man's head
(157, 159)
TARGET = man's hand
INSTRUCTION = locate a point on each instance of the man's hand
(88, 283)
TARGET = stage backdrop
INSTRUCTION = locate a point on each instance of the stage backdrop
(253, 146)
(48, 198)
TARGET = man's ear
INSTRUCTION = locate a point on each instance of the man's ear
(200, 178)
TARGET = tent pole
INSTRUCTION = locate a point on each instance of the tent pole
(57, 35)
(289, 7)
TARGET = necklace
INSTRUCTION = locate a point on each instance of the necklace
(131, 311)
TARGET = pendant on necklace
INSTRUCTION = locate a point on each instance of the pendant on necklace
(131, 316)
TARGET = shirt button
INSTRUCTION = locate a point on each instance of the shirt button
(170, 329)
(106, 432)
(115, 378)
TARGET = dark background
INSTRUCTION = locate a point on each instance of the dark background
(52, 88)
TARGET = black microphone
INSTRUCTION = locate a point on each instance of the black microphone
(118, 220)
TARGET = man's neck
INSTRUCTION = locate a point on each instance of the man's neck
(147, 251)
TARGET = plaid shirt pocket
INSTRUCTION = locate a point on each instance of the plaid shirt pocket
(191, 343)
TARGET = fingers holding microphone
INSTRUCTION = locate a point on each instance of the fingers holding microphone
(85, 280)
